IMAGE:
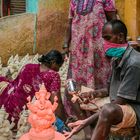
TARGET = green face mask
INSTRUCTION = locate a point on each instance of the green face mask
(115, 52)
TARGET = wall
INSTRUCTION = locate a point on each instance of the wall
(120, 5)
(138, 17)
(0, 7)
(129, 11)
(17, 32)
(52, 20)
(130, 17)
(16, 35)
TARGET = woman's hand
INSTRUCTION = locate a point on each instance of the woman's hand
(76, 127)
(66, 50)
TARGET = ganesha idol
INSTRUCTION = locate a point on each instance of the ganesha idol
(42, 117)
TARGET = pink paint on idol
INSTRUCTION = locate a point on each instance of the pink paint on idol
(42, 117)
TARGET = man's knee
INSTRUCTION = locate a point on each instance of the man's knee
(111, 113)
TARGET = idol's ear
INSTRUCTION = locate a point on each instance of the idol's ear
(37, 95)
(48, 95)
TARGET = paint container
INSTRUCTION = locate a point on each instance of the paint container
(71, 86)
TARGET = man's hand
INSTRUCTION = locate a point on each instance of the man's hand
(100, 93)
(120, 101)
(90, 94)
(76, 127)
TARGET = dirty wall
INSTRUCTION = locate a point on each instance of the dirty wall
(52, 19)
(18, 34)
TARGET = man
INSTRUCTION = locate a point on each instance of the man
(123, 111)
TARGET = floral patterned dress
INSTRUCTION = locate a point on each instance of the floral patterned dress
(88, 64)
(15, 94)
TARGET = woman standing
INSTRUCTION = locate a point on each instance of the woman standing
(88, 65)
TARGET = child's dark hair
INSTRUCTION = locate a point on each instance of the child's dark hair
(52, 56)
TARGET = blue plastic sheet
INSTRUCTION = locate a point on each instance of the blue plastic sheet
(32, 6)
